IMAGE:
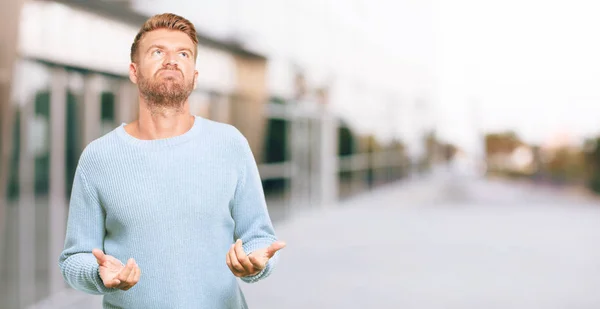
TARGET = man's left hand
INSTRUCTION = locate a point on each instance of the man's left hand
(242, 265)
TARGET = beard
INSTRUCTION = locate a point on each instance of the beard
(165, 93)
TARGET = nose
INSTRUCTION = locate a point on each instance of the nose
(171, 59)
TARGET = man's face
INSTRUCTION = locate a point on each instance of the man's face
(165, 68)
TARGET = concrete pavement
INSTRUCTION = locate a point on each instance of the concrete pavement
(443, 243)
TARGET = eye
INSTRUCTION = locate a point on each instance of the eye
(184, 54)
(157, 52)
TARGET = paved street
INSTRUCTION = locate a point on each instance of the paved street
(443, 243)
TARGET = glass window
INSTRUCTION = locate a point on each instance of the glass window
(107, 106)
(28, 256)
(108, 103)
(30, 95)
(73, 145)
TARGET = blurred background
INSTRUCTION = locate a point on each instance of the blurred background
(414, 154)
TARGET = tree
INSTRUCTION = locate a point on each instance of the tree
(592, 160)
(501, 143)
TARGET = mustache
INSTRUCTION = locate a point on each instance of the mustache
(170, 68)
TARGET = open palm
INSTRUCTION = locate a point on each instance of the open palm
(114, 274)
(260, 257)
(242, 265)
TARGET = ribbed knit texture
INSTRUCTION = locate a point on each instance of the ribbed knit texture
(175, 205)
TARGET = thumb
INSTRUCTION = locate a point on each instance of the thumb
(274, 247)
(100, 256)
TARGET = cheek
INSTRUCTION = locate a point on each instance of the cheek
(149, 69)
(189, 74)
(154, 69)
(141, 71)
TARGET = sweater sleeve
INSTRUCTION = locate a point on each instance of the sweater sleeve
(85, 231)
(249, 211)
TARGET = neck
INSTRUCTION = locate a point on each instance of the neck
(160, 122)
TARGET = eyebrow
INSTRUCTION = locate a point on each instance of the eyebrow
(164, 47)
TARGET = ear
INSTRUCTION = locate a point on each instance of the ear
(133, 72)
(195, 78)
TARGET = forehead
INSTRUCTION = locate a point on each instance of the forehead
(167, 38)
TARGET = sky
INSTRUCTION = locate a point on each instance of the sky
(530, 66)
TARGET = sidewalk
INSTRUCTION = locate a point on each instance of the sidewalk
(338, 256)
(388, 249)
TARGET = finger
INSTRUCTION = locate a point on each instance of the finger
(107, 260)
(138, 274)
(234, 261)
(125, 272)
(274, 247)
(124, 285)
(131, 279)
(132, 274)
(256, 262)
(228, 259)
(243, 258)
(100, 256)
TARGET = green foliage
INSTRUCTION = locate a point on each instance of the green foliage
(592, 156)
(346, 143)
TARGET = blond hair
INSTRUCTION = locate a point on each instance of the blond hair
(167, 21)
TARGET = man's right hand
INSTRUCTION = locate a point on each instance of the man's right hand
(116, 275)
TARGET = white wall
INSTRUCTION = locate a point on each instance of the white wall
(58, 33)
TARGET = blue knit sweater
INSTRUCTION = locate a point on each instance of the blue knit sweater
(175, 205)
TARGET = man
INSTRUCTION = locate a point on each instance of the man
(168, 210)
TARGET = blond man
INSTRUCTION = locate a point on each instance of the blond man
(168, 210)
